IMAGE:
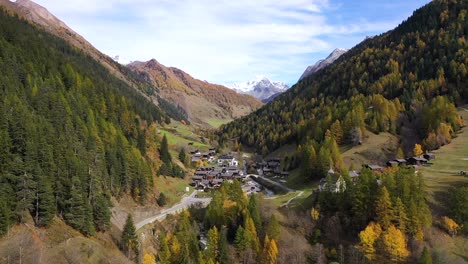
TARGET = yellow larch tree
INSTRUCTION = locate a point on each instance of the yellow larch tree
(394, 244)
(367, 239)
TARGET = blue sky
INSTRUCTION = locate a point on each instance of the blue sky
(225, 41)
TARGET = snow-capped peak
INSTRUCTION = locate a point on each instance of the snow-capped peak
(323, 63)
(261, 88)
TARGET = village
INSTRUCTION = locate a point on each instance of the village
(339, 184)
(213, 169)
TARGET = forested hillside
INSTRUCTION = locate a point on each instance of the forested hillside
(202, 102)
(411, 77)
(71, 134)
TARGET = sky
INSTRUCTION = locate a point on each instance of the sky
(228, 41)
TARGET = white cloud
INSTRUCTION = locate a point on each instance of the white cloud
(216, 40)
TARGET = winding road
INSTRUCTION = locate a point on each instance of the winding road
(185, 203)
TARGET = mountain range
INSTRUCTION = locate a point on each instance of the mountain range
(197, 100)
(403, 81)
(200, 100)
(323, 63)
(262, 88)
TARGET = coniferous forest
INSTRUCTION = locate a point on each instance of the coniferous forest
(74, 138)
(411, 76)
(71, 134)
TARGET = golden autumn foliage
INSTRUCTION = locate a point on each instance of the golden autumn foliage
(417, 150)
(149, 259)
(315, 214)
(394, 244)
(270, 251)
(367, 239)
(450, 225)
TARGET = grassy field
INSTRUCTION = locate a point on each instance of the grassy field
(218, 122)
(177, 140)
(173, 188)
(450, 160)
(375, 149)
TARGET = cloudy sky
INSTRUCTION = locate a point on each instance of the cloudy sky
(226, 41)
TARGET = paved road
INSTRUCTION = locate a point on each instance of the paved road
(177, 208)
(271, 181)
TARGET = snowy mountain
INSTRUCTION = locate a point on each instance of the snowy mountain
(323, 63)
(262, 88)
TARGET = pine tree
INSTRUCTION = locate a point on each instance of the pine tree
(164, 154)
(102, 213)
(400, 217)
(383, 208)
(176, 250)
(240, 240)
(223, 256)
(26, 189)
(182, 156)
(75, 207)
(44, 203)
(129, 240)
(254, 212)
(164, 255)
(5, 217)
(162, 199)
(212, 250)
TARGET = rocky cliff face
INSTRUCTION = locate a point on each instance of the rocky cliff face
(323, 63)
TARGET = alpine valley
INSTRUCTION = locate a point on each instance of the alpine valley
(363, 160)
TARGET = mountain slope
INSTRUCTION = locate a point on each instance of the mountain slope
(262, 88)
(323, 63)
(200, 100)
(219, 103)
(404, 80)
(40, 16)
(71, 134)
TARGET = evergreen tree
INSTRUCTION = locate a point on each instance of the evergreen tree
(254, 212)
(240, 240)
(162, 200)
(164, 151)
(44, 203)
(75, 212)
(400, 217)
(212, 250)
(5, 217)
(223, 256)
(383, 208)
(129, 240)
(164, 254)
(102, 213)
(182, 156)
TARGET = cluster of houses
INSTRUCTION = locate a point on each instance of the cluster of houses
(339, 183)
(213, 177)
(271, 167)
(210, 157)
